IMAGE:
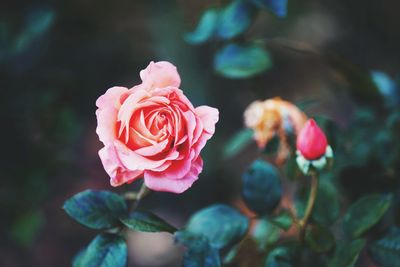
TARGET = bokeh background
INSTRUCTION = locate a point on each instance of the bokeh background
(58, 57)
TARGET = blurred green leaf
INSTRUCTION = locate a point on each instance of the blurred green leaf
(26, 227)
(278, 7)
(96, 209)
(327, 205)
(199, 252)
(280, 257)
(265, 233)
(238, 61)
(346, 253)
(220, 224)
(319, 238)
(145, 221)
(234, 19)
(262, 188)
(365, 213)
(105, 250)
(283, 220)
(205, 28)
(386, 251)
(38, 23)
(238, 142)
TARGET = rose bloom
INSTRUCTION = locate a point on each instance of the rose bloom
(153, 131)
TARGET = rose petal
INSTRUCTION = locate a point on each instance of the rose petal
(114, 167)
(107, 113)
(209, 116)
(134, 161)
(159, 75)
(175, 186)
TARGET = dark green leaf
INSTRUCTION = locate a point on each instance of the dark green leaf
(240, 140)
(279, 257)
(283, 220)
(262, 188)
(386, 251)
(205, 28)
(365, 213)
(105, 250)
(199, 252)
(234, 19)
(346, 253)
(96, 209)
(145, 221)
(327, 205)
(278, 7)
(220, 224)
(238, 62)
(265, 233)
(319, 238)
(38, 23)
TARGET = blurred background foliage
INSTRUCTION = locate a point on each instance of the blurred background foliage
(338, 60)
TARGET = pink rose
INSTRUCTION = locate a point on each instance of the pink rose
(153, 131)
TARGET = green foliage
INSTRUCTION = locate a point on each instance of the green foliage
(365, 213)
(262, 188)
(199, 252)
(234, 19)
(205, 28)
(319, 238)
(327, 205)
(220, 224)
(238, 142)
(26, 227)
(145, 221)
(96, 209)
(106, 250)
(265, 233)
(241, 61)
(386, 251)
(346, 253)
(280, 257)
(278, 7)
(283, 220)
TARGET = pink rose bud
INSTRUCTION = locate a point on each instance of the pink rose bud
(311, 141)
(153, 131)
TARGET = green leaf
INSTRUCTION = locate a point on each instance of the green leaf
(265, 233)
(278, 7)
(365, 213)
(346, 253)
(238, 142)
(319, 238)
(220, 224)
(145, 221)
(205, 28)
(199, 252)
(234, 19)
(38, 23)
(106, 250)
(283, 220)
(327, 205)
(96, 209)
(238, 61)
(279, 257)
(386, 251)
(262, 188)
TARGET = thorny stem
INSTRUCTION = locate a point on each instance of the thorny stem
(310, 205)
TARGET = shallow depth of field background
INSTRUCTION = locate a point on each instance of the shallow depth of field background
(52, 74)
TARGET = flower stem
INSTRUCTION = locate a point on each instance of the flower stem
(310, 205)
(135, 197)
